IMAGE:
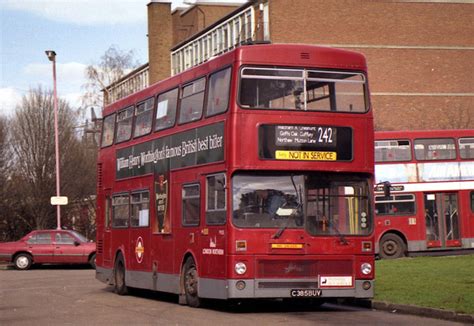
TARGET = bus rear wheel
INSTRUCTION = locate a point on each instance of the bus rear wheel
(190, 281)
(392, 246)
(119, 277)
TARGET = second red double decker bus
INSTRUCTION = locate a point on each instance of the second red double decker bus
(248, 176)
(431, 206)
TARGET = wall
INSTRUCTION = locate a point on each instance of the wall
(420, 55)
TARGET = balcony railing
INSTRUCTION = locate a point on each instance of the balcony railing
(131, 83)
(241, 28)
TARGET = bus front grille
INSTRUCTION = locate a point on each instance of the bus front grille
(287, 285)
(291, 268)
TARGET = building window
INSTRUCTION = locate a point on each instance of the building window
(192, 101)
(108, 129)
(143, 118)
(124, 124)
(216, 199)
(219, 89)
(403, 204)
(435, 149)
(392, 150)
(166, 109)
(140, 209)
(466, 148)
(191, 204)
(120, 211)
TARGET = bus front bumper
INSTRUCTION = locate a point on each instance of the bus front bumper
(278, 288)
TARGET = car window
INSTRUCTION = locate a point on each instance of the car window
(79, 236)
(64, 238)
(40, 238)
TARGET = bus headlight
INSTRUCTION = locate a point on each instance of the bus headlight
(366, 268)
(240, 268)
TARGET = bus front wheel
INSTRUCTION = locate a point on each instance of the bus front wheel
(119, 277)
(392, 246)
(190, 281)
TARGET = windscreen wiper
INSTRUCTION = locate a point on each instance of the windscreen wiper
(284, 227)
(299, 195)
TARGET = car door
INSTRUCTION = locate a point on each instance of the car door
(41, 247)
(68, 249)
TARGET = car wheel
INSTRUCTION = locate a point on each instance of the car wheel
(190, 279)
(392, 246)
(23, 261)
(92, 261)
(119, 277)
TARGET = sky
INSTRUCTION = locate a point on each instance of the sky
(79, 31)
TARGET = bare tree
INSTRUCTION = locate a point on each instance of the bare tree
(33, 180)
(6, 200)
(113, 65)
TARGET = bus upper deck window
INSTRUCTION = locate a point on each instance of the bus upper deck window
(143, 118)
(192, 101)
(219, 88)
(435, 149)
(392, 150)
(301, 89)
(124, 124)
(108, 129)
(466, 147)
(166, 110)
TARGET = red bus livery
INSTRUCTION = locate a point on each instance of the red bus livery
(431, 204)
(248, 176)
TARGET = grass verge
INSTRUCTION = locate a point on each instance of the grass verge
(437, 282)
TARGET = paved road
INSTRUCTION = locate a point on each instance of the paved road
(51, 295)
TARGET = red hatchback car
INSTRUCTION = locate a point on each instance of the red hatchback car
(48, 246)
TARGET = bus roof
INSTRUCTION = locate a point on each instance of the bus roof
(411, 134)
(289, 55)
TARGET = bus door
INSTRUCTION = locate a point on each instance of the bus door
(442, 220)
(107, 211)
(140, 231)
(190, 220)
(213, 231)
(163, 239)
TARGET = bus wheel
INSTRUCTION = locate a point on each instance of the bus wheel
(119, 277)
(191, 283)
(392, 246)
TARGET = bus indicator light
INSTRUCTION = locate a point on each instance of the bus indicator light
(287, 246)
(241, 245)
(306, 155)
(366, 246)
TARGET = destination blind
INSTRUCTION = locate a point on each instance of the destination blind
(305, 143)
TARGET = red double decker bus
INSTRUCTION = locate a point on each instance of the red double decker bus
(431, 203)
(248, 176)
